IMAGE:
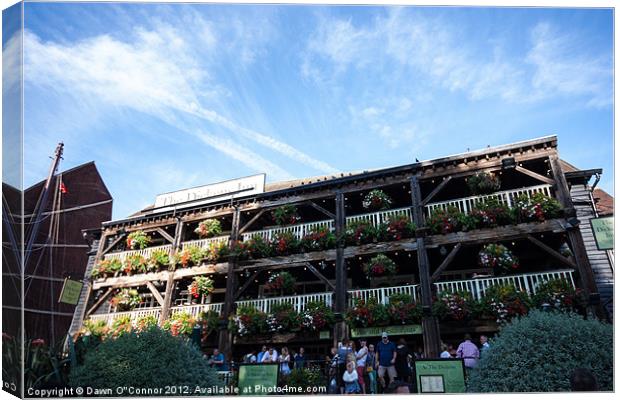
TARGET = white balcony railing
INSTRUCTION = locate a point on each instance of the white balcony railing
(528, 282)
(146, 253)
(134, 315)
(507, 197)
(299, 230)
(299, 302)
(379, 217)
(477, 287)
(196, 309)
(204, 243)
(383, 294)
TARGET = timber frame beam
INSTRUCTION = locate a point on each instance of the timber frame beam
(442, 185)
(551, 252)
(114, 243)
(534, 175)
(445, 263)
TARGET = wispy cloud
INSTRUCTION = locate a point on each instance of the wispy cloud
(433, 50)
(157, 73)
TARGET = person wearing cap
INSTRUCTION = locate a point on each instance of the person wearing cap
(386, 354)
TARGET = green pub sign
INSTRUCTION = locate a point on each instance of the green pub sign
(603, 230)
(391, 330)
(445, 375)
(70, 293)
(257, 379)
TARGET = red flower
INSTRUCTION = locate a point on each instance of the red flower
(37, 343)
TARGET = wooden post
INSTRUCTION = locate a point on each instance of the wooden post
(586, 276)
(225, 336)
(430, 326)
(170, 283)
(340, 295)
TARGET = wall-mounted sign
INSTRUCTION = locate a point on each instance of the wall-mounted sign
(70, 293)
(446, 375)
(258, 379)
(254, 184)
(391, 330)
(603, 229)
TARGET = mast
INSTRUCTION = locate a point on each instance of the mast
(34, 230)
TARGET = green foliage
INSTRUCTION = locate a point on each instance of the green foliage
(497, 257)
(448, 221)
(179, 323)
(135, 263)
(368, 313)
(490, 213)
(285, 243)
(282, 282)
(403, 310)
(307, 377)
(483, 183)
(538, 352)
(456, 306)
(317, 316)
(505, 302)
(209, 320)
(561, 295)
(150, 359)
(145, 322)
(248, 320)
(120, 326)
(397, 227)
(106, 268)
(126, 299)
(189, 256)
(538, 207)
(94, 328)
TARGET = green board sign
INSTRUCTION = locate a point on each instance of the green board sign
(70, 293)
(603, 229)
(258, 379)
(391, 330)
(324, 335)
(445, 375)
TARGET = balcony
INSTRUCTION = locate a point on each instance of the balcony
(146, 253)
(506, 197)
(528, 282)
(204, 243)
(477, 287)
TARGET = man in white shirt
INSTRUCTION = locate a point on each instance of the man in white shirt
(271, 356)
(360, 358)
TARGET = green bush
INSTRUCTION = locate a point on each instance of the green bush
(538, 353)
(151, 359)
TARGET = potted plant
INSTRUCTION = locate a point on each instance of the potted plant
(360, 232)
(200, 286)
(126, 300)
(398, 227)
(216, 252)
(380, 265)
(282, 282)
(258, 247)
(284, 243)
(209, 228)
(248, 321)
(138, 240)
(483, 183)
(210, 321)
(506, 302)
(560, 295)
(449, 220)
(368, 313)
(159, 258)
(497, 257)
(191, 255)
(453, 306)
(105, 268)
(403, 310)
(490, 213)
(285, 215)
(135, 263)
(317, 316)
(145, 322)
(376, 200)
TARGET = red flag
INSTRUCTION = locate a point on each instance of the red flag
(63, 188)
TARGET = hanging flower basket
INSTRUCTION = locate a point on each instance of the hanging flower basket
(380, 265)
(138, 240)
(209, 228)
(285, 215)
(283, 282)
(126, 300)
(483, 183)
(498, 257)
(200, 286)
(376, 200)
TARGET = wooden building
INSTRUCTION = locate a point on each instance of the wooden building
(429, 263)
(78, 200)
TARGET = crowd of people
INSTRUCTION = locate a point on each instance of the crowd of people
(362, 368)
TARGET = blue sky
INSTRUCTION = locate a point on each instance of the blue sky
(165, 97)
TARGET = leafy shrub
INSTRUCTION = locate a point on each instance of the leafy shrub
(538, 353)
(150, 359)
(120, 326)
(307, 377)
(200, 286)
